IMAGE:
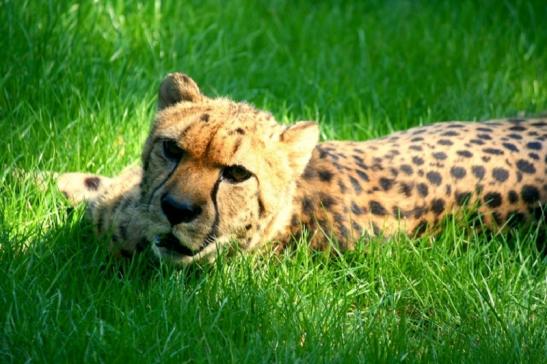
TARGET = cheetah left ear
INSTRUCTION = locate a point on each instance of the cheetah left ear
(178, 87)
(299, 140)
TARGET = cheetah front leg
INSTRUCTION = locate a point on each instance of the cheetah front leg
(112, 205)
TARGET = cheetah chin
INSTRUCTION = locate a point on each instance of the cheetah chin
(169, 244)
(214, 171)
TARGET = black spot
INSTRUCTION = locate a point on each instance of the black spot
(515, 136)
(407, 169)
(437, 206)
(450, 133)
(416, 148)
(539, 123)
(493, 151)
(323, 224)
(325, 176)
(342, 186)
(513, 196)
(337, 165)
(294, 221)
(386, 183)
(356, 209)
(362, 174)
(486, 158)
(525, 166)
(358, 159)
(422, 189)
(419, 211)
(309, 173)
(492, 199)
(341, 227)
(529, 194)
(307, 205)
(476, 141)
(511, 147)
(434, 177)
(405, 188)
(376, 230)
(420, 228)
(484, 136)
(537, 212)
(486, 130)
(417, 139)
(448, 189)
(322, 153)
(204, 117)
(515, 218)
(249, 226)
(240, 131)
(517, 128)
(376, 208)
(534, 145)
(464, 153)
(533, 156)
(326, 201)
(92, 183)
(497, 217)
(356, 227)
(439, 156)
(455, 126)
(355, 184)
(417, 161)
(500, 174)
(463, 198)
(458, 172)
(478, 171)
(445, 142)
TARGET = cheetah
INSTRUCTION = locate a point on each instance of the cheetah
(216, 172)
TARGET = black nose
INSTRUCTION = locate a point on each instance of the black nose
(178, 211)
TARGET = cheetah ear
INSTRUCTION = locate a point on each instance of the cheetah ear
(177, 87)
(299, 140)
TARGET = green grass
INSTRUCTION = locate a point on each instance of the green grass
(77, 92)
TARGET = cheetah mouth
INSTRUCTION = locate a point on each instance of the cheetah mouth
(170, 243)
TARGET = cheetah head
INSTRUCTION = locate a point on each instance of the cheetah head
(217, 172)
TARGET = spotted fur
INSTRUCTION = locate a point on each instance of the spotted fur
(216, 172)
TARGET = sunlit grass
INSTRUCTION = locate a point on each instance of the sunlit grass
(77, 92)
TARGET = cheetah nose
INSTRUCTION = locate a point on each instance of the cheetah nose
(178, 211)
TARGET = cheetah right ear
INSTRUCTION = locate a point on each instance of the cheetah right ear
(299, 140)
(178, 87)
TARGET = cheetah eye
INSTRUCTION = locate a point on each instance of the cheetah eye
(172, 151)
(235, 174)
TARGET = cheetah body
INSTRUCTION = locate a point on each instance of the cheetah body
(215, 172)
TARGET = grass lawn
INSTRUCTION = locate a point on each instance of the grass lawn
(77, 92)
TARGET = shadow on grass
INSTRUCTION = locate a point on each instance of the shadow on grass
(72, 249)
